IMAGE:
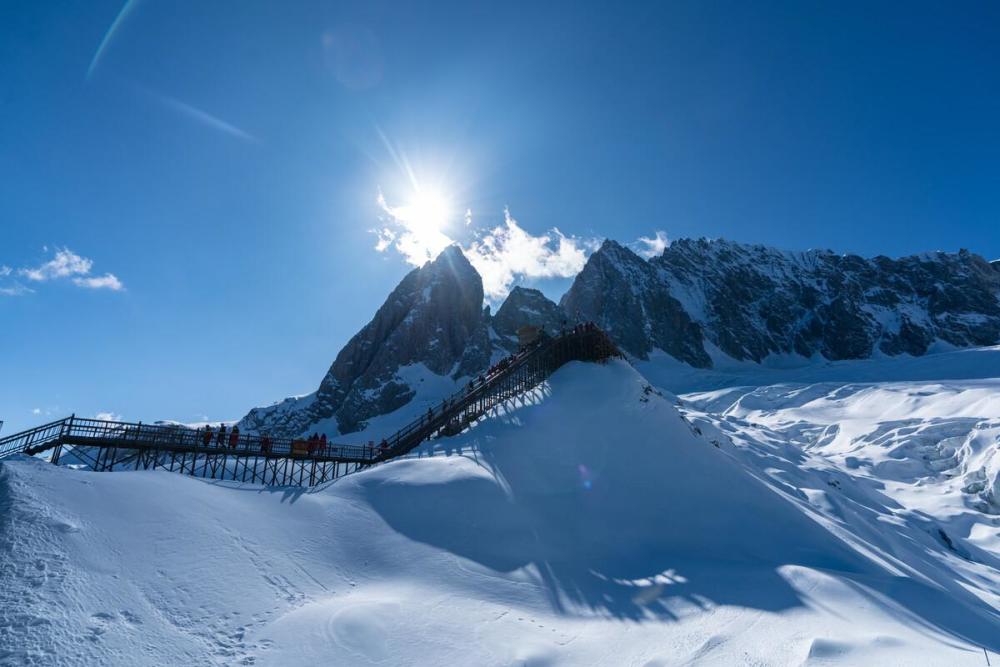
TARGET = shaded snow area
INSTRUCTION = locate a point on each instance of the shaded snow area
(587, 524)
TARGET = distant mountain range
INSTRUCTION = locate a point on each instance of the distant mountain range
(699, 302)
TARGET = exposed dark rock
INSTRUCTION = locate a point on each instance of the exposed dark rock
(751, 301)
(622, 293)
(522, 307)
(746, 301)
(433, 317)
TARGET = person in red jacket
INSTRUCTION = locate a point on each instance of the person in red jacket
(234, 437)
(206, 437)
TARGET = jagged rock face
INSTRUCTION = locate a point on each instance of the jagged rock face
(746, 301)
(525, 306)
(753, 301)
(623, 294)
(756, 300)
(433, 317)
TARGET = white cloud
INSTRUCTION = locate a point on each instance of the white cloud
(107, 281)
(652, 246)
(66, 264)
(501, 255)
(36, 411)
(16, 289)
(507, 252)
(108, 417)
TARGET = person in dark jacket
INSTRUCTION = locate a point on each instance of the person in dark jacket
(220, 436)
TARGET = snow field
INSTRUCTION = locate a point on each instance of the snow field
(591, 524)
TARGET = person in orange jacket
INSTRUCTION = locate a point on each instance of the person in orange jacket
(234, 437)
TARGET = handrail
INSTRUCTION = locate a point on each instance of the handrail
(463, 407)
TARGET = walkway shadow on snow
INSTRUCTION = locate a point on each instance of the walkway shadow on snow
(640, 540)
(289, 494)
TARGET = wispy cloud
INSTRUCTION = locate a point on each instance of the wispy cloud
(108, 417)
(123, 14)
(653, 246)
(502, 255)
(65, 264)
(15, 289)
(198, 115)
(107, 281)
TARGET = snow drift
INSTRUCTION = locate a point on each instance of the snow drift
(589, 523)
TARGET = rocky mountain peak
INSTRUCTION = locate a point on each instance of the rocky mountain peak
(699, 297)
(622, 293)
(525, 306)
(434, 318)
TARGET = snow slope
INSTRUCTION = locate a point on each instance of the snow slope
(588, 524)
(945, 364)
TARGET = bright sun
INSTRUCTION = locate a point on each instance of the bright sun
(422, 225)
(426, 213)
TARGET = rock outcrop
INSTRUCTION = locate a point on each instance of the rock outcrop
(522, 307)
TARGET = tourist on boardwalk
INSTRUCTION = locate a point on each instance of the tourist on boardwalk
(206, 437)
(234, 437)
(265, 443)
(322, 442)
(220, 436)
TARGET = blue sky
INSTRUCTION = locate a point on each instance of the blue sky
(191, 210)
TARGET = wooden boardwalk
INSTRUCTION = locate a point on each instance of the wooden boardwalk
(259, 459)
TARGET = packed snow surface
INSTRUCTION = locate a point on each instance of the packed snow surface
(597, 521)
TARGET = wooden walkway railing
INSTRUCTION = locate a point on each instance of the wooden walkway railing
(112, 445)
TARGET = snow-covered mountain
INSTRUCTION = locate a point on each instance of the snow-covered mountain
(700, 302)
(701, 298)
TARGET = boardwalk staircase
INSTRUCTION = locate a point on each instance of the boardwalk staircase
(112, 445)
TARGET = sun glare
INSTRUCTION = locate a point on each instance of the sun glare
(427, 212)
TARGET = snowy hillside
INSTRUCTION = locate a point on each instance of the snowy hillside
(588, 525)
